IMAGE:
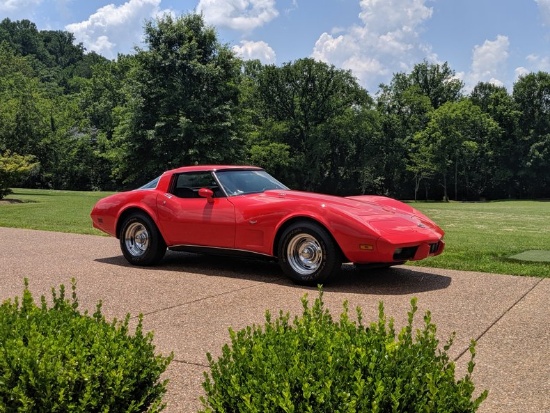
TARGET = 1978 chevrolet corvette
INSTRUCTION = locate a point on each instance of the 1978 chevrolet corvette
(244, 210)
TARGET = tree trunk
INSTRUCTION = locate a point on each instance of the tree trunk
(445, 194)
(456, 178)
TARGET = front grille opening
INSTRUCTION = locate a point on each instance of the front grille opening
(434, 247)
(406, 253)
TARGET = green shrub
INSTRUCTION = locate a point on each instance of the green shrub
(59, 360)
(317, 365)
(13, 169)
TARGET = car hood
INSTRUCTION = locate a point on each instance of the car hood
(386, 216)
(363, 205)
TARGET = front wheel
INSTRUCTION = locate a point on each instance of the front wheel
(308, 254)
(140, 240)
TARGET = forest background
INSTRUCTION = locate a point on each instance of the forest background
(79, 121)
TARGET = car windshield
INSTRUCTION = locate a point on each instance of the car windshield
(240, 182)
(151, 185)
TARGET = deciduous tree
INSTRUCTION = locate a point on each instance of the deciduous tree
(13, 169)
(300, 105)
(532, 96)
(183, 95)
(455, 146)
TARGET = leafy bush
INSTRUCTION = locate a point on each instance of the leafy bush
(59, 360)
(13, 168)
(316, 364)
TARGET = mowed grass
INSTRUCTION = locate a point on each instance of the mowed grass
(61, 211)
(482, 236)
(479, 236)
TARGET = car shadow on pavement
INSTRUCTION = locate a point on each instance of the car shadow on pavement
(211, 265)
(399, 280)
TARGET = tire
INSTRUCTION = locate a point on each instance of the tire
(140, 240)
(308, 254)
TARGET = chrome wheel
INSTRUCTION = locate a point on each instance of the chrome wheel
(140, 240)
(136, 239)
(307, 253)
(304, 254)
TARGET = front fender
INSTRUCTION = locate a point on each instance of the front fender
(347, 231)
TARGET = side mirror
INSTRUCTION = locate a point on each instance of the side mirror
(207, 193)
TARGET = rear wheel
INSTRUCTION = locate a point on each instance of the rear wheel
(140, 240)
(308, 254)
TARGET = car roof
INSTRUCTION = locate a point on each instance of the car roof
(199, 168)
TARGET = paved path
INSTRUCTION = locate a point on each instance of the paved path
(190, 301)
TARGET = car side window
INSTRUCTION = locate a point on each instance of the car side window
(187, 185)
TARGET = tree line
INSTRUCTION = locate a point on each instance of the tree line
(87, 123)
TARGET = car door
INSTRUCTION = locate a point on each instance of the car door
(186, 218)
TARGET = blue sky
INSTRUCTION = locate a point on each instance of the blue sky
(482, 40)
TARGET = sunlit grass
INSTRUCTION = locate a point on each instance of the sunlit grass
(479, 236)
(482, 236)
(62, 211)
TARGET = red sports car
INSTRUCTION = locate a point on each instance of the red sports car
(244, 210)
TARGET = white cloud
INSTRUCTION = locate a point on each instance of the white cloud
(496, 82)
(489, 62)
(534, 63)
(241, 15)
(293, 7)
(19, 9)
(255, 50)
(113, 29)
(387, 40)
(382, 16)
(538, 63)
(544, 8)
(521, 71)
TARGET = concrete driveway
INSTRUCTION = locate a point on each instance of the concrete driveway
(190, 301)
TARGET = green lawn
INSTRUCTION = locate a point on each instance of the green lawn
(62, 211)
(479, 236)
(482, 236)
